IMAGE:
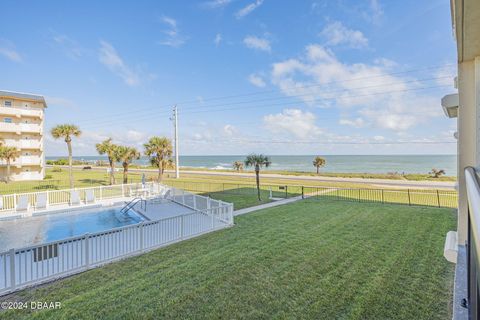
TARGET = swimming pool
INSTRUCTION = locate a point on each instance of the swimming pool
(40, 229)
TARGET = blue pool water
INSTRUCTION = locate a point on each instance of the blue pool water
(56, 226)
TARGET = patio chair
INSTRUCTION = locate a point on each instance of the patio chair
(74, 198)
(89, 196)
(22, 203)
(42, 201)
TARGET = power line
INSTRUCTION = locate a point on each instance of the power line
(300, 87)
(156, 115)
(326, 143)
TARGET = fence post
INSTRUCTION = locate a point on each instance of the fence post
(87, 251)
(14, 201)
(438, 198)
(181, 226)
(123, 190)
(208, 203)
(213, 220)
(101, 193)
(141, 236)
(303, 194)
(286, 192)
(12, 269)
(195, 201)
(408, 191)
(359, 195)
(383, 198)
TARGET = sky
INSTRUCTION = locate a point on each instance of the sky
(274, 77)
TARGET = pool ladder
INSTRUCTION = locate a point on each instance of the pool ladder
(133, 202)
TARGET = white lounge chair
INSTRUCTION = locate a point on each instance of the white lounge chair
(74, 198)
(89, 196)
(42, 201)
(167, 194)
(22, 203)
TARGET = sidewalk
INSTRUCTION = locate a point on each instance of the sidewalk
(266, 205)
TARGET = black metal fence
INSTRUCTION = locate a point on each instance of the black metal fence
(419, 197)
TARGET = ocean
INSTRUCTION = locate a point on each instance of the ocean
(335, 163)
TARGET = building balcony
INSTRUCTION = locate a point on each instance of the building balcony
(31, 127)
(19, 112)
(30, 160)
(18, 128)
(29, 144)
(24, 161)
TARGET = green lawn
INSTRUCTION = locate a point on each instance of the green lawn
(241, 190)
(311, 259)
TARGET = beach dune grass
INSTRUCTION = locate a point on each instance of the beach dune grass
(311, 259)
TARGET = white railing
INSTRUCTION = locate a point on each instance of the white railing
(473, 242)
(21, 268)
(222, 211)
(59, 197)
(17, 112)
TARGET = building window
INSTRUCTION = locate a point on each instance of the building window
(7, 120)
(7, 103)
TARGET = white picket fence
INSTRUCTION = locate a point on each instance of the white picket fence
(21, 268)
(59, 197)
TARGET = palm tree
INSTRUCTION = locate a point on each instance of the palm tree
(238, 165)
(319, 162)
(126, 155)
(159, 149)
(111, 150)
(8, 154)
(67, 131)
(257, 161)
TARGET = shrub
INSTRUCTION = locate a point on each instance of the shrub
(57, 169)
(48, 176)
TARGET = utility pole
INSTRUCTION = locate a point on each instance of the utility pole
(175, 125)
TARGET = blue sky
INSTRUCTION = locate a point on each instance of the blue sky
(278, 77)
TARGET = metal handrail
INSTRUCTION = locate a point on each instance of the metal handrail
(130, 204)
(473, 194)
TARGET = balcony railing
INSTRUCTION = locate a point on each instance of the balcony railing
(473, 243)
(24, 161)
(30, 160)
(29, 144)
(20, 127)
(18, 112)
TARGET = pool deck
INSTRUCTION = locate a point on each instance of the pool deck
(11, 214)
(156, 210)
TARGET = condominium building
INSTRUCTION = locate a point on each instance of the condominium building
(21, 126)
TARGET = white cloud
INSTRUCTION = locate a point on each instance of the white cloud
(173, 38)
(257, 43)
(376, 11)
(112, 60)
(256, 80)
(229, 130)
(248, 9)
(218, 39)
(337, 34)
(294, 122)
(356, 123)
(7, 49)
(214, 4)
(71, 47)
(446, 75)
(383, 100)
